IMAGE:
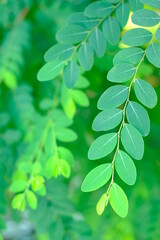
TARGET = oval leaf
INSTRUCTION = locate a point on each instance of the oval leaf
(107, 120)
(132, 141)
(145, 93)
(59, 51)
(153, 54)
(50, 70)
(121, 72)
(111, 30)
(85, 56)
(103, 201)
(137, 37)
(122, 14)
(71, 34)
(96, 178)
(138, 117)
(125, 168)
(128, 55)
(145, 17)
(71, 74)
(113, 97)
(98, 9)
(98, 42)
(118, 200)
(102, 146)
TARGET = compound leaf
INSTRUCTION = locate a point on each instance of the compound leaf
(85, 56)
(111, 30)
(98, 42)
(122, 14)
(145, 17)
(153, 54)
(98, 9)
(71, 74)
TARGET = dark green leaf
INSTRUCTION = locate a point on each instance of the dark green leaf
(132, 141)
(97, 178)
(121, 72)
(102, 146)
(113, 97)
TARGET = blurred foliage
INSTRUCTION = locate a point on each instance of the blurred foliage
(27, 30)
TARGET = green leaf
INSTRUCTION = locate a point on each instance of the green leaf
(71, 34)
(135, 5)
(103, 201)
(50, 70)
(18, 202)
(25, 167)
(137, 37)
(132, 141)
(145, 17)
(66, 135)
(98, 42)
(113, 1)
(153, 54)
(113, 97)
(65, 154)
(65, 168)
(122, 14)
(96, 178)
(18, 186)
(125, 168)
(82, 83)
(102, 146)
(128, 55)
(98, 9)
(80, 98)
(145, 93)
(152, 3)
(59, 51)
(32, 199)
(80, 19)
(158, 34)
(111, 30)
(71, 74)
(121, 72)
(138, 117)
(85, 56)
(108, 119)
(118, 200)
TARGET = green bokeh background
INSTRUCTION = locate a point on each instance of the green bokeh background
(71, 213)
